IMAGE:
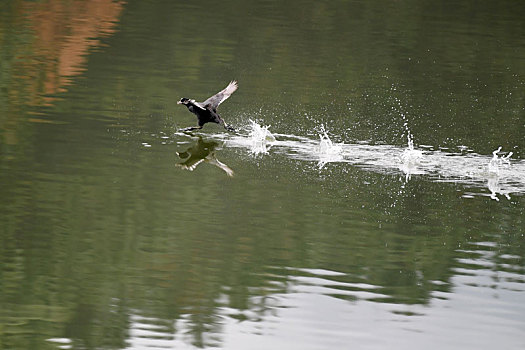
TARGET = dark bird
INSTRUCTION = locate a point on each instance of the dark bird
(206, 111)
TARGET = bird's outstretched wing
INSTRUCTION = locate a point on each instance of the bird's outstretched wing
(219, 97)
(198, 104)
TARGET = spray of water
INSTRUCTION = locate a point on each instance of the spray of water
(496, 164)
(327, 150)
(411, 157)
(494, 169)
(259, 139)
(260, 133)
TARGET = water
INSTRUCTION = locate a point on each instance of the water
(371, 198)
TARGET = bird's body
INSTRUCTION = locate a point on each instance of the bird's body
(206, 111)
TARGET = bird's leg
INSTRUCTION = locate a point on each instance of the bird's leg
(226, 126)
(229, 128)
(191, 128)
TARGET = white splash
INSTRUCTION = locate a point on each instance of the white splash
(62, 343)
(328, 151)
(410, 158)
(496, 164)
(494, 169)
(260, 137)
(260, 133)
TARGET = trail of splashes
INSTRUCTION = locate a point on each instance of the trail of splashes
(498, 174)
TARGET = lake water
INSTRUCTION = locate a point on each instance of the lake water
(372, 198)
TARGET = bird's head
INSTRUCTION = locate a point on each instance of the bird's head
(184, 101)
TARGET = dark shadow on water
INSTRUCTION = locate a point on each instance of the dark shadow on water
(199, 152)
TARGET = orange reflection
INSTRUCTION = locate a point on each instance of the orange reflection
(64, 32)
(47, 44)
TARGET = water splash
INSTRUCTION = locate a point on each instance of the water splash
(494, 169)
(328, 151)
(261, 138)
(410, 158)
(497, 163)
(260, 132)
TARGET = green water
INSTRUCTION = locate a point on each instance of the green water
(109, 241)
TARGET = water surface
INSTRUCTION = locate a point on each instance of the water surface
(372, 197)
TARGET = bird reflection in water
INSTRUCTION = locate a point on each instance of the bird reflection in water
(201, 151)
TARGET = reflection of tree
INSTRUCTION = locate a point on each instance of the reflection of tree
(64, 32)
(47, 45)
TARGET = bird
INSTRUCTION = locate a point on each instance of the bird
(206, 111)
